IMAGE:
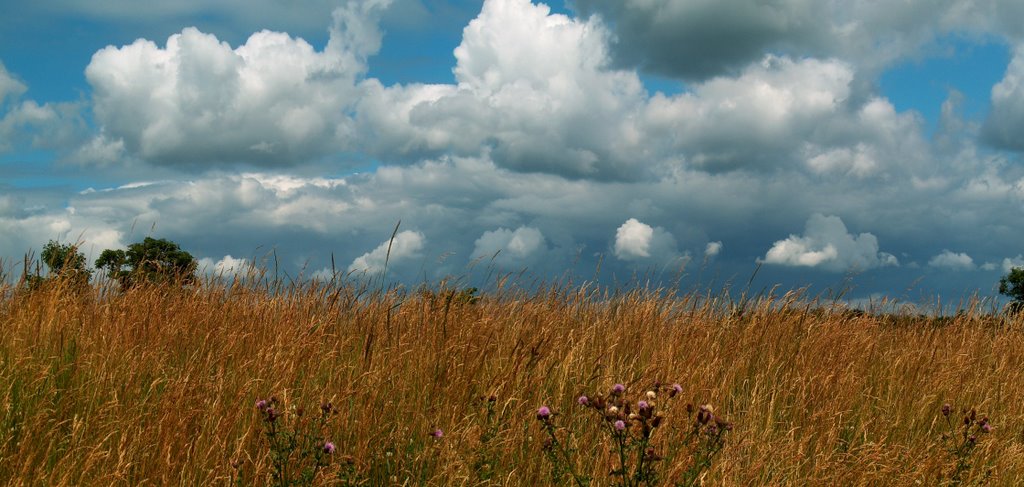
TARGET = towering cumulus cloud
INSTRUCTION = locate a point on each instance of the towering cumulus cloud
(638, 241)
(198, 102)
(533, 90)
(826, 244)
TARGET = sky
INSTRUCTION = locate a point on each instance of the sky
(854, 146)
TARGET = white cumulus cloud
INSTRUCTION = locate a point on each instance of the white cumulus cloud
(958, 261)
(636, 240)
(712, 249)
(199, 102)
(1010, 263)
(1005, 122)
(826, 244)
(633, 239)
(405, 245)
(227, 266)
(9, 86)
(533, 89)
(511, 246)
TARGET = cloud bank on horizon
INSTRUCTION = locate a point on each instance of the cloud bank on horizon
(548, 150)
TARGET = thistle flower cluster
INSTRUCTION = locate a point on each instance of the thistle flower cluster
(707, 423)
(961, 439)
(622, 415)
(298, 449)
(631, 424)
(268, 408)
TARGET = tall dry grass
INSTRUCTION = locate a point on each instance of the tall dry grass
(157, 385)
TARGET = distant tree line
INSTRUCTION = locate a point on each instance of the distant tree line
(161, 261)
(152, 261)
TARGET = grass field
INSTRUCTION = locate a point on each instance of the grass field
(159, 385)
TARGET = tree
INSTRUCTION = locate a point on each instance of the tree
(64, 261)
(152, 260)
(1012, 285)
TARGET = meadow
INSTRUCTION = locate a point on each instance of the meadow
(160, 385)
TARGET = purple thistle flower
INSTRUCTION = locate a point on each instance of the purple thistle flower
(643, 405)
(618, 389)
(705, 414)
(328, 448)
(620, 425)
(543, 413)
(437, 433)
(676, 389)
(261, 404)
(986, 427)
(583, 401)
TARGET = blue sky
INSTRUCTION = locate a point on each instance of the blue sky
(853, 145)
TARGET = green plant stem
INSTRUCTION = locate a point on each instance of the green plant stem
(550, 428)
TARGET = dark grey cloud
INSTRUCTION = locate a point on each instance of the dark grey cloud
(699, 39)
(463, 210)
